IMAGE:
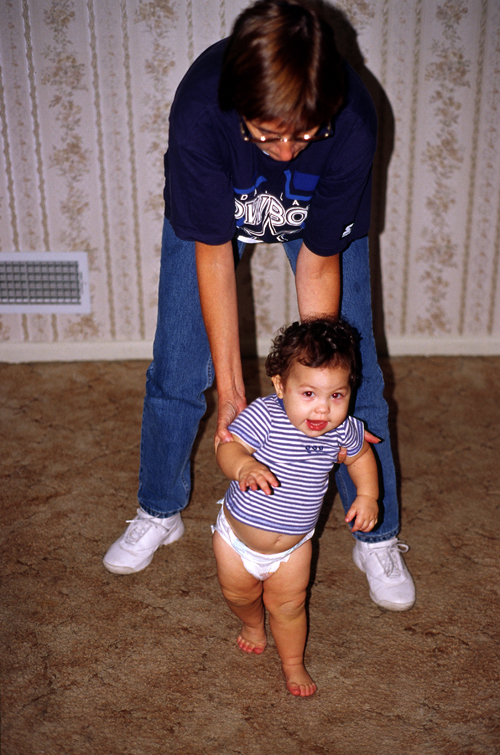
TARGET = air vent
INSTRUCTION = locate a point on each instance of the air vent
(43, 282)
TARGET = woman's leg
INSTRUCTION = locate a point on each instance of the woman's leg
(173, 406)
(376, 553)
(370, 405)
(176, 380)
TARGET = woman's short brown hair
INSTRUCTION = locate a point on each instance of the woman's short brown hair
(281, 64)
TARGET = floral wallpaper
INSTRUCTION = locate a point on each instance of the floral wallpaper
(85, 89)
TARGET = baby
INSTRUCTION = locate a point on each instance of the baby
(283, 449)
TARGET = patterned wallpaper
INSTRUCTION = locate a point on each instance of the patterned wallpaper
(85, 88)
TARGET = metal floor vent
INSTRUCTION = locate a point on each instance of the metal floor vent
(43, 282)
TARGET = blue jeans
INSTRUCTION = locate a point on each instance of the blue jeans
(182, 370)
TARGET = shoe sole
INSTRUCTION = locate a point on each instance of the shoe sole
(393, 606)
(175, 534)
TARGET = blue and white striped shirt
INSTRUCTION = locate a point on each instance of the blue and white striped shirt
(300, 463)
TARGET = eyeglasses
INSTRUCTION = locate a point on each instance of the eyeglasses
(305, 139)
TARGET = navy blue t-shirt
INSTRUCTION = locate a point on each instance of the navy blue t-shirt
(218, 186)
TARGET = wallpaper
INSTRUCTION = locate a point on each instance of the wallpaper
(85, 90)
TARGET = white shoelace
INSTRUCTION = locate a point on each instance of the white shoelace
(390, 559)
(140, 528)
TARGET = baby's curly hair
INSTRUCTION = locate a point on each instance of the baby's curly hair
(318, 343)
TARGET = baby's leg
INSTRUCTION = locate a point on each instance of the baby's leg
(284, 597)
(243, 594)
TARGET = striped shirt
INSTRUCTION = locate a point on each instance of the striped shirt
(300, 463)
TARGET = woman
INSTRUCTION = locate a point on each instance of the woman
(272, 138)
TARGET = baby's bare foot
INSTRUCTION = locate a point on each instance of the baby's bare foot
(252, 640)
(298, 681)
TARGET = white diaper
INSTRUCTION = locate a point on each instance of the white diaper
(260, 565)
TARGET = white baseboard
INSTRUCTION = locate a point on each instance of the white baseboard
(452, 346)
(85, 351)
(82, 351)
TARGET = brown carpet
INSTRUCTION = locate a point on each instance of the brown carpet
(146, 664)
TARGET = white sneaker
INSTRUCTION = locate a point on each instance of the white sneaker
(135, 549)
(391, 585)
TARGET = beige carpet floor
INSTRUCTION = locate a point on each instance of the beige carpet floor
(97, 664)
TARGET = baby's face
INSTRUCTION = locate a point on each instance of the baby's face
(315, 400)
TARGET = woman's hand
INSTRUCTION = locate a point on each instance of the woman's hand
(343, 451)
(228, 409)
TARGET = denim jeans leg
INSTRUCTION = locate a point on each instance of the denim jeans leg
(179, 374)
(370, 405)
(176, 380)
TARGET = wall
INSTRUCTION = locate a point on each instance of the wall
(85, 89)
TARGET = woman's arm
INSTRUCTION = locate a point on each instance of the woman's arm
(219, 306)
(317, 280)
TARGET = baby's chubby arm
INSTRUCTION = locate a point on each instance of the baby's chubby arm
(238, 463)
(363, 471)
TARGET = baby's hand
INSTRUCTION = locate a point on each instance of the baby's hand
(255, 475)
(365, 511)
